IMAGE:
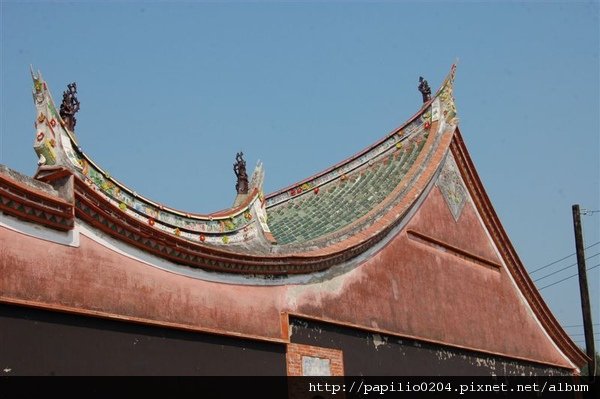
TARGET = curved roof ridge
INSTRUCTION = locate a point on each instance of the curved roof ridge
(240, 240)
(74, 153)
(425, 162)
(56, 145)
(449, 79)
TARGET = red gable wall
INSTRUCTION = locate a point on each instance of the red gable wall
(438, 280)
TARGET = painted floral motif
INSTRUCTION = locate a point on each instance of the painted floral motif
(107, 185)
(84, 166)
(229, 224)
(447, 98)
(452, 187)
(158, 214)
(49, 137)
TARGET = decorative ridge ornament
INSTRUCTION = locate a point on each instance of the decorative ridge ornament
(239, 168)
(257, 177)
(445, 106)
(55, 145)
(69, 106)
(58, 146)
(424, 89)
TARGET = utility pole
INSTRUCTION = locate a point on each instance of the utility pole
(585, 296)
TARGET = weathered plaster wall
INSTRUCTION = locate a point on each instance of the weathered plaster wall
(92, 278)
(410, 288)
(375, 354)
(419, 290)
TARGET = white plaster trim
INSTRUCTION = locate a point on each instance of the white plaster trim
(69, 238)
(72, 238)
(239, 279)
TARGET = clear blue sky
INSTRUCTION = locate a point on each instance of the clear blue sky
(170, 91)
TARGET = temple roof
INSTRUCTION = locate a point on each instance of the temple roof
(390, 214)
(308, 219)
(317, 212)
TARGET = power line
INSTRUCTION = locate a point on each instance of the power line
(580, 325)
(578, 335)
(550, 264)
(566, 278)
(564, 268)
(561, 259)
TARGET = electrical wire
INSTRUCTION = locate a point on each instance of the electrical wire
(578, 335)
(561, 259)
(580, 325)
(566, 278)
(588, 211)
(564, 268)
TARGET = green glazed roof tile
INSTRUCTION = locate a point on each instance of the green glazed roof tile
(340, 202)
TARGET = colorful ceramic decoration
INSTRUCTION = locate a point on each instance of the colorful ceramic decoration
(452, 187)
(56, 145)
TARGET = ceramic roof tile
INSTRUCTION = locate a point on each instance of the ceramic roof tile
(341, 201)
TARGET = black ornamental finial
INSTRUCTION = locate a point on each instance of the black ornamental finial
(69, 106)
(239, 167)
(424, 89)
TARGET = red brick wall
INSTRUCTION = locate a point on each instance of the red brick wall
(296, 351)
